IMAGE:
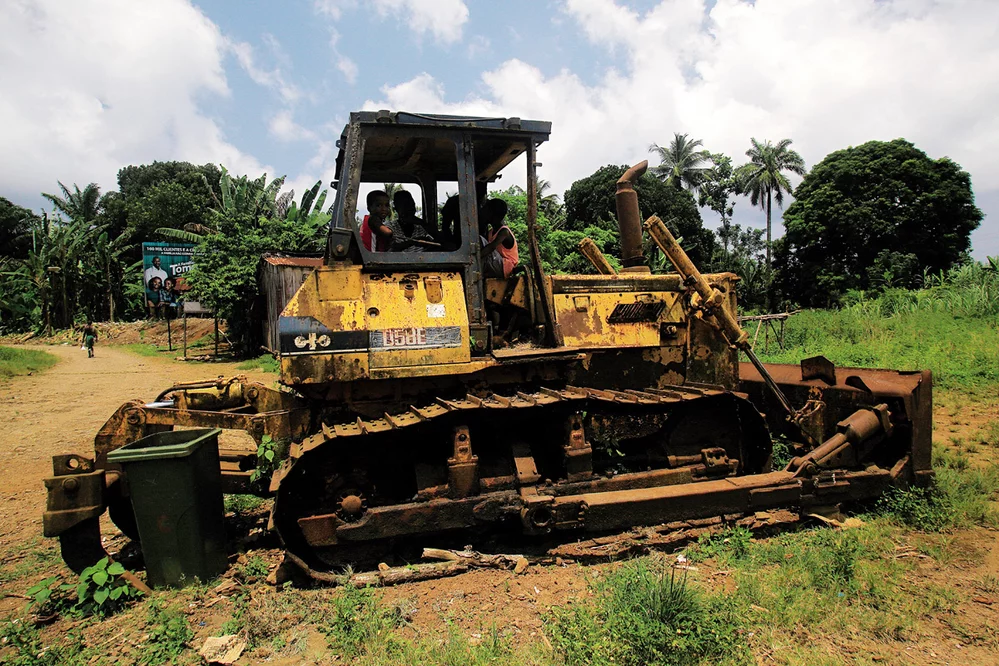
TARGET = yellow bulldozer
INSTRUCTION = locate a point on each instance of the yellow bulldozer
(422, 399)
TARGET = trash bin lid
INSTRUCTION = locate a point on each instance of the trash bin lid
(161, 445)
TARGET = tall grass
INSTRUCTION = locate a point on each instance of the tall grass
(950, 327)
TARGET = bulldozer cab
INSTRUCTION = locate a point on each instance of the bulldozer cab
(445, 162)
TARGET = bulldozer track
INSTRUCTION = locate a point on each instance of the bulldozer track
(440, 407)
(711, 432)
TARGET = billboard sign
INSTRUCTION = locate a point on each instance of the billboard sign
(164, 266)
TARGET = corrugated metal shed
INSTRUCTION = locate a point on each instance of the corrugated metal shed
(313, 262)
(280, 276)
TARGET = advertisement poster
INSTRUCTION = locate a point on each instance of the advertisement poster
(164, 266)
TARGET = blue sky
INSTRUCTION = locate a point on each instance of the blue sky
(94, 85)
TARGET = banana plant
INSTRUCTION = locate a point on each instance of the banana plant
(311, 208)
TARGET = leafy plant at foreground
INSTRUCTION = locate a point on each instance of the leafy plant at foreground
(100, 590)
(169, 635)
(270, 453)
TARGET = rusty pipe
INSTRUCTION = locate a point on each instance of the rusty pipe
(590, 250)
(711, 299)
(629, 220)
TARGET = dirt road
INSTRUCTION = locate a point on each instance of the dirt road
(61, 409)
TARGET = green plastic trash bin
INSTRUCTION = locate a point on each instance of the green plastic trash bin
(176, 488)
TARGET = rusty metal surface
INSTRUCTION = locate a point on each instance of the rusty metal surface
(553, 333)
(907, 394)
(629, 219)
(474, 490)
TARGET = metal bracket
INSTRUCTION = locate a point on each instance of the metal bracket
(463, 466)
(578, 453)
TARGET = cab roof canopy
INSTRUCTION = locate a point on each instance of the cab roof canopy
(399, 146)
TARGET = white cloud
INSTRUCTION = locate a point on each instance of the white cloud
(90, 87)
(348, 68)
(478, 46)
(444, 19)
(273, 78)
(282, 126)
(333, 8)
(826, 74)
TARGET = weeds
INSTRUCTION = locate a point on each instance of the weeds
(354, 622)
(242, 503)
(731, 544)
(989, 434)
(647, 615)
(255, 567)
(270, 453)
(22, 645)
(100, 590)
(263, 363)
(961, 496)
(169, 635)
(15, 362)
(782, 452)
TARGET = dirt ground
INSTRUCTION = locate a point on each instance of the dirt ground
(61, 409)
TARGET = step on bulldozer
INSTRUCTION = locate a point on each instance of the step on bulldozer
(424, 399)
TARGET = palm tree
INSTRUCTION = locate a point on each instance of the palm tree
(680, 163)
(80, 205)
(763, 178)
(548, 201)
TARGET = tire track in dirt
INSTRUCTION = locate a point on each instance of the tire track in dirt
(61, 409)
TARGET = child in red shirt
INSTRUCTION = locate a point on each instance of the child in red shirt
(373, 228)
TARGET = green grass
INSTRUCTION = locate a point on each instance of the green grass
(14, 361)
(961, 351)
(647, 612)
(168, 636)
(21, 644)
(144, 349)
(263, 363)
(962, 496)
(242, 503)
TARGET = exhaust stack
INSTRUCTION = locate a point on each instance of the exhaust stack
(629, 220)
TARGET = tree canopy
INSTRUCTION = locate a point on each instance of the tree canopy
(590, 202)
(242, 224)
(15, 229)
(557, 246)
(885, 205)
(167, 194)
